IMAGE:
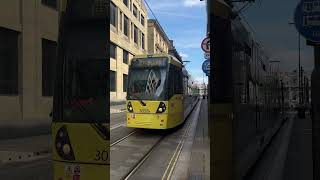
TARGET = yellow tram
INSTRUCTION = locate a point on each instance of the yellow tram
(159, 92)
(80, 133)
(80, 126)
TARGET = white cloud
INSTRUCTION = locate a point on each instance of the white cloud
(169, 4)
(191, 3)
(188, 45)
(163, 5)
(182, 15)
(183, 55)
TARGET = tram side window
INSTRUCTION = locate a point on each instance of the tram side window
(178, 81)
(175, 81)
(171, 82)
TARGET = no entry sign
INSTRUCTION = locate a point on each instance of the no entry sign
(205, 45)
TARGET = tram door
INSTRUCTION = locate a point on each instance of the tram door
(80, 127)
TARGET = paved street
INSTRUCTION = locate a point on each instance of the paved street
(39, 169)
(299, 158)
(31, 156)
(180, 153)
(289, 155)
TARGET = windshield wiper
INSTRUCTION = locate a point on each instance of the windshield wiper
(142, 103)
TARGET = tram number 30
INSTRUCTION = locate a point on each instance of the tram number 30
(102, 155)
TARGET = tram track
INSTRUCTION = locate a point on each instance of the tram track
(123, 138)
(173, 159)
(135, 168)
(117, 125)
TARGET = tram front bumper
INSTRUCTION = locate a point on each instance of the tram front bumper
(147, 121)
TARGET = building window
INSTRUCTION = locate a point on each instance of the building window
(125, 80)
(125, 2)
(113, 51)
(125, 56)
(142, 20)
(112, 81)
(113, 14)
(136, 34)
(126, 26)
(120, 19)
(49, 59)
(131, 30)
(142, 40)
(135, 11)
(50, 3)
(8, 62)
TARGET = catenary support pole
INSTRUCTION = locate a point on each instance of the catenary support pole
(315, 100)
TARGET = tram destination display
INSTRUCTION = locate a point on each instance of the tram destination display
(154, 62)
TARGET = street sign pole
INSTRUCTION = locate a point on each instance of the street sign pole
(315, 101)
(306, 21)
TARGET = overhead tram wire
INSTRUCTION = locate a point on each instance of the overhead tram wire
(254, 32)
(152, 11)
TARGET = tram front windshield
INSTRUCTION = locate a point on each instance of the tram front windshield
(84, 91)
(147, 79)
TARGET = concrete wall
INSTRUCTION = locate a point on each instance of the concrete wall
(33, 21)
(157, 41)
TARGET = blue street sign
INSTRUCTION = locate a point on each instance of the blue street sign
(307, 19)
(206, 67)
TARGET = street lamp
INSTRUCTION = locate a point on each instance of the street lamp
(299, 70)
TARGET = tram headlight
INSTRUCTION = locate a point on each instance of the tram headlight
(129, 107)
(63, 144)
(161, 108)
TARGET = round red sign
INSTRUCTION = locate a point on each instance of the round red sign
(205, 45)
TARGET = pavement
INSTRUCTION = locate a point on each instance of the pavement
(117, 108)
(40, 169)
(18, 144)
(298, 165)
(289, 154)
(24, 149)
(199, 167)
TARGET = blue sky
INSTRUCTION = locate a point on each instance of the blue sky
(269, 20)
(184, 21)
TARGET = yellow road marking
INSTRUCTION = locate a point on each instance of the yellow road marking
(175, 156)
